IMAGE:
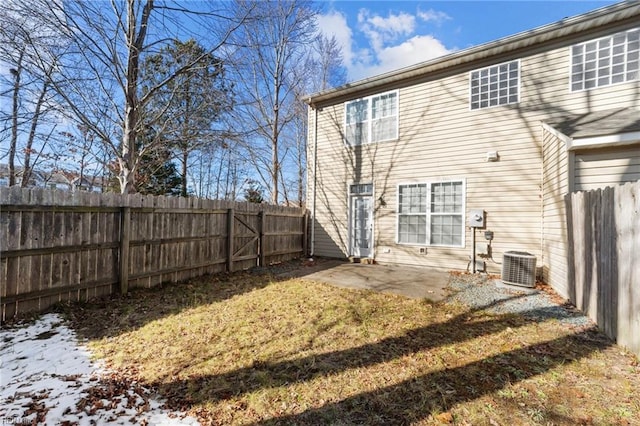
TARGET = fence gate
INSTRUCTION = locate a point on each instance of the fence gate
(61, 246)
(245, 241)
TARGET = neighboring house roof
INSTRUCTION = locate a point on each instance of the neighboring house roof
(600, 123)
(55, 177)
(620, 14)
(58, 177)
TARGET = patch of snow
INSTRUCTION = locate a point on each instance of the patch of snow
(47, 377)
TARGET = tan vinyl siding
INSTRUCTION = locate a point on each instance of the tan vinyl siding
(599, 168)
(555, 236)
(440, 138)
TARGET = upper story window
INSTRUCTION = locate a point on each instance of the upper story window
(605, 61)
(495, 85)
(372, 119)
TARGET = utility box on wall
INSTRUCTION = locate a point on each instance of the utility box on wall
(476, 219)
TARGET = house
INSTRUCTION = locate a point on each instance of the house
(55, 179)
(400, 164)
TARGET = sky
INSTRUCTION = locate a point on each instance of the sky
(377, 36)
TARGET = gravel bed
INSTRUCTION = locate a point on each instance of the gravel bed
(481, 292)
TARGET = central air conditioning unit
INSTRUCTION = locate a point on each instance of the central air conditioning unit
(519, 268)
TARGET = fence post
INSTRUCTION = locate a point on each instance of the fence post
(125, 229)
(230, 219)
(261, 253)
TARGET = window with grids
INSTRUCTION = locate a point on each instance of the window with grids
(495, 85)
(606, 61)
(361, 189)
(431, 214)
(372, 119)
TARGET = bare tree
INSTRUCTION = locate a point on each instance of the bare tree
(273, 44)
(31, 53)
(100, 75)
(323, 68)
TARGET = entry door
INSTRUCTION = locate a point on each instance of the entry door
(361, 225)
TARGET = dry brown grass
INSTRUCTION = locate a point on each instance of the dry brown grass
(246, 349)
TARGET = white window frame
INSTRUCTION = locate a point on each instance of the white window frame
(370, 121)
(497, 96)
(428, 214)
(601, 64)
(354, 189)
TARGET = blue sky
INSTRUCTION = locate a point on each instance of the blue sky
(380, 36)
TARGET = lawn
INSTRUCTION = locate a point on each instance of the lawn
(252, 349)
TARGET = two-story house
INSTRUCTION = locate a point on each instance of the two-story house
(398, 162)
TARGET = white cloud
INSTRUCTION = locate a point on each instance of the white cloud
(414, 50)
(380, 44)
(433, 16)
(334, 24)
(402, 23)
(381, 30)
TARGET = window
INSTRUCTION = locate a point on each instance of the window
(372, 119)
(431, 213)
(496, 85)
(606, 61)
(361, 189)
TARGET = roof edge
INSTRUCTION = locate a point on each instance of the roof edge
(545, 33)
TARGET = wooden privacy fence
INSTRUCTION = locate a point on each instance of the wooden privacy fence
(604, 259)
(59, 246)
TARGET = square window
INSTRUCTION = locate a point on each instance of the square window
(491, 85)
(605, 61)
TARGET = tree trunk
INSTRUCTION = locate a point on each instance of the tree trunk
(135, 42)
(275, 162)
(32, 134)
(14, 120)
(185, 158)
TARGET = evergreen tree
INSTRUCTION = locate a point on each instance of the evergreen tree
(157, 174)
(253, 192)
(186, 108)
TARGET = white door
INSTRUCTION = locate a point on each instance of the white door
(361, 225)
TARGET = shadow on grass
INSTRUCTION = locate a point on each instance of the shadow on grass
(468, 381)
(402, 403)
(415, 399)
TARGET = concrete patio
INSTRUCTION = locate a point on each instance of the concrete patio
(409, 281)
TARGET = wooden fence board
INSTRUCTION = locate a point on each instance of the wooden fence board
(60, 246)
(604, 242)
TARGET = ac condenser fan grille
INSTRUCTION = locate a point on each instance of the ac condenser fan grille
(519, 268)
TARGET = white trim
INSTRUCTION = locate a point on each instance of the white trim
(596, 40)
(607, 140)
(566, 139)
(428, 214)
(593, 141)
(315, 182)
(370, 118)
(519, 85)
(350, 251)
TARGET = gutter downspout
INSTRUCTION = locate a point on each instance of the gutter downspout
(543, 191)
(315, 180)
